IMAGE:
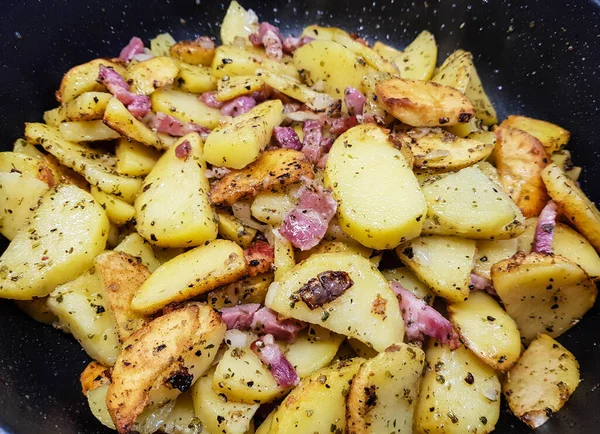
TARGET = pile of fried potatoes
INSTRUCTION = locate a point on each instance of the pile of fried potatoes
(117, 240)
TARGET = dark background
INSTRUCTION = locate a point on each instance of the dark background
(537, 58)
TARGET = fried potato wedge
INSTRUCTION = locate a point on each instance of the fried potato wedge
(314, 348)
(424, 104)
(88, 106)
(134, 158)
(232, 87)
(444, 263)
(543, 293)
(487, 330)
(121, 275)
(367, 310)
(19, 196)
(136, 246)
(251, 289)
(84, 78)
(541, 382)
(161, 360)
(271, 207)
(283, 255)
(410, 281)
(318, 403)
(552, 137)
(319, 58)
(231, 60)
(87, 131)
(417, 61)
(82, 311)
(520, 159)
(566, 242)
(38, 310)
(237, 143)
(195, 79)
(96, 167)
(238, 22)
(117, 210)
(384, 392)
(117, 117)
(573, 203)
(66, 231)
(193, 53)
(190, 274)
(332, 247)
(230, 228)
(93, 376)
(186, 107)
(273, 171)
(147, 76)
(358, 162)
(220, 415)
(436, 149)
(455, 71)
(490, 252)
(173, 208)
(40, 168)
(386, 51)
(469, 204)
(459, 393)
(563, 160)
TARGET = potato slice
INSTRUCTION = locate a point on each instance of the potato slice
(38, 310)
(84, 78)
(318, 403)
(490, 252)
(190, 274)
(229, 88)
(239, 142)
(195, 79)
(163, 359)
(567, 243)
(251, 289)
(231, 60)
(117, 117)
(217, 413)
(563, 160)
(22, 147)
(443, 263)
(87, 131)
(186, 107)
(424, 104)
(552, 137)
(283, 255)
(384, 392)
(40, 168)
(455, 71)
(265, 426)
(82, 311)
(367, 311)
(230, 228)
(88, 106)
(332, 247)
(94, 375)
(193, 53)
(147, 76)
(134, 158)
(272, 171)
(386, 51)
(543, 293)
(487, 330)
(410, 281)
(134, 245)
(436, 149)
(121, 275)
(467, 203)
(19, 196)
(314, 348)
(271, 207)
(520, 159)
(330, 64)
(238, 22)
(96, 167)
(173, 208)
(65, 233)
(358, 161)
(118, 211)
(459, 393)
(418, 59)
(573, 203)
(541, 382)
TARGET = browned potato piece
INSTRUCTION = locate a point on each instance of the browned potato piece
(520, 159)
(193, 52)
(84, 78)
(573, 203)
(550, 135)
(424, 104)
(541, 382)
(543, 293)
(251, 289)
(93, 376)
(121, 274)
(161, 360)
(273, 171)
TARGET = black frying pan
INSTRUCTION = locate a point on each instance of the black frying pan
(537, 58)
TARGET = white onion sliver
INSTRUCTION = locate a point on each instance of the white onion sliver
(236, 338)
(241, 211)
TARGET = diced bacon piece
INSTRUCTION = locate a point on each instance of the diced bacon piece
(423, 320)
(259, 257)
(271, 356)
(287, 138)
(168, 124)
(206, 42)
(238, 106)
(355, 101)
(544, 230)
(341, 125)
(135, 46)
(313, 133)
(291, 44)
(216, 172)
(269, 37)
(307, 223)
(265, 321)
(210, 99)
(138, 105)
(239, 317)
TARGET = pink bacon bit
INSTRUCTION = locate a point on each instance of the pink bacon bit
(291, 44)
(341, 125)
(261, 320)
(313, 133)
(239, 317)
(480, 283)
(271, 356)
(305, 225)
(210, 99)
(287, 138)
(355, 101)
(138, 105)
(544, 230)
(269, 37)
(422, 320)
(135, 46)
(238, 106)
(168, 124)
(205, 42)
(259, 257)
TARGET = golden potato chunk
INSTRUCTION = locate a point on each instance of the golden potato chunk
(193, 52)
(84, 78)
(552, 137)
